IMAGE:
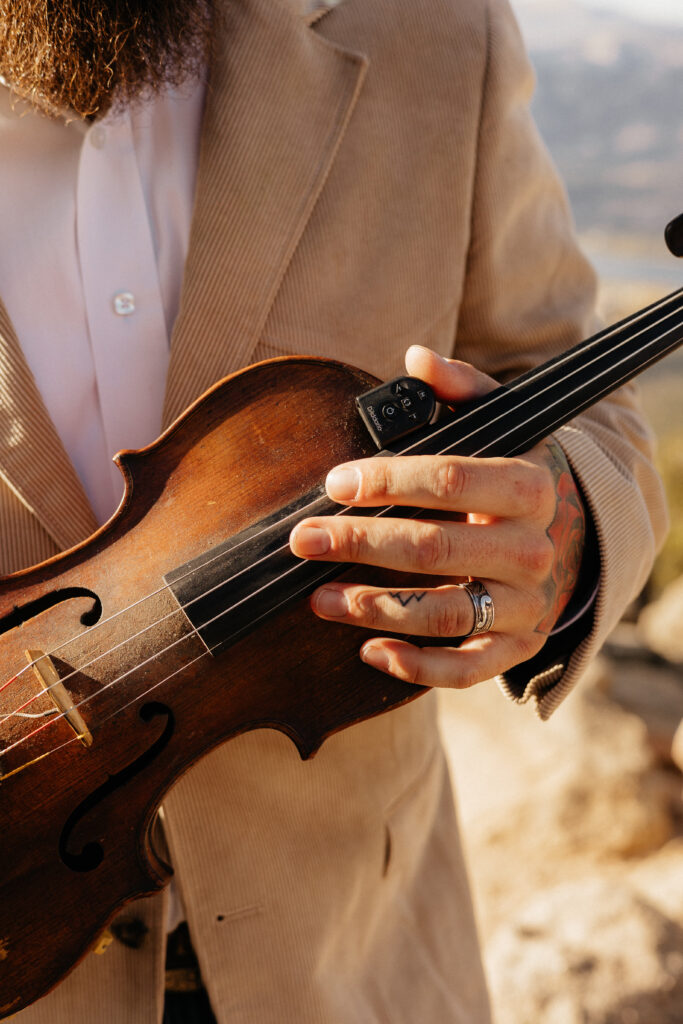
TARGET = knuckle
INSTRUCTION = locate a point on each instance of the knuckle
(431, 548)
(354, 544)
(418, 673)
(538, 491)
(446, 620)
(450, 481)
(366, 606)
(377, 483)
(466, 678)
(535, 557)
(526, 646)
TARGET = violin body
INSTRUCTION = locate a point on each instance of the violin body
(78, 796)
(185, 621)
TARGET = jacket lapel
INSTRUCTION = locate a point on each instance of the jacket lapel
(33, 462)
(278, 103)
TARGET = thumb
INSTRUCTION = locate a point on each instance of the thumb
(452, 380)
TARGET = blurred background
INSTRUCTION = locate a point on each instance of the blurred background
(574, 828)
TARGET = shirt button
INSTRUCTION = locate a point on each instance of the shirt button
(98, 137)
(124, 303)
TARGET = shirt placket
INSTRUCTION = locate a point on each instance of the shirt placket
(123, 302)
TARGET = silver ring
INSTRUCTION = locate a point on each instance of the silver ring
(482, 602)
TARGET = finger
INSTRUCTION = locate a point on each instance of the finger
(475, 660)
(509, 488)
(507, 552)
(452, 380)
(446, 611)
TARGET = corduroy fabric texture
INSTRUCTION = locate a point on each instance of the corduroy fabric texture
(365, 183)
(34, 467)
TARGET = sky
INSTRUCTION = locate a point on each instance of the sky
(670, 11)
(649, 10)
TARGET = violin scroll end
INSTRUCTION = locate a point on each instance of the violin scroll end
(673, 236)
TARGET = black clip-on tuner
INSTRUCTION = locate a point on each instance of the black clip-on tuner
(395, 409)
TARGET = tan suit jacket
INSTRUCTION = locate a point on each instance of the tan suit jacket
(369, 178)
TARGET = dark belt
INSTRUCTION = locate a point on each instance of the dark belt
(186, 1000)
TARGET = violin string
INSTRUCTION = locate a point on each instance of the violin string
(74, 739)
(195, 631)
(11, 680)
(146, 661)
(382, 512)
(539, 371)
(283, 547)
(566, 395)
(157, 622)
(276, 580)
(450, 425)
(580, 368)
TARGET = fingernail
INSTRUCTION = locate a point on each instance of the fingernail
(310, 540)
(331, 602)
(343, 483)
(375, 656)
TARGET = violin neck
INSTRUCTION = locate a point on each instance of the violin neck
(516, 415)
(225, 592)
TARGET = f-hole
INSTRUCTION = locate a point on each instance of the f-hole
(23, 613)
(91, 855)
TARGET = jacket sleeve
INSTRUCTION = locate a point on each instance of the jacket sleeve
(529, 293)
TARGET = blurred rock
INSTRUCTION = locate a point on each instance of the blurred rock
(655, 695)
(661, 623)
(557, 796)
(587, 952)
(610, 802)
(581, 800)
(659, 880)
(626, 642)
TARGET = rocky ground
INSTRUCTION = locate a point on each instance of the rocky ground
(574, 834)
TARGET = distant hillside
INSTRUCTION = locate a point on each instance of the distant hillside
(609, 103)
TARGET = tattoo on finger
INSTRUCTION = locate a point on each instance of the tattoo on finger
(405, 599)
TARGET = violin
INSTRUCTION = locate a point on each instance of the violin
(126, 659)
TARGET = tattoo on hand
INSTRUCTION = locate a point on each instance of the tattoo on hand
(405, 599)
(566, 533)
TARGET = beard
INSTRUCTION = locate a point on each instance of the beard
(90, 56)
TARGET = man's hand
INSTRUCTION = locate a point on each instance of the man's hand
(523, 538)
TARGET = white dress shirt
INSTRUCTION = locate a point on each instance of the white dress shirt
(95, 228)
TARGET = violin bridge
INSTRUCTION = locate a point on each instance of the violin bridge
(48, 677)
